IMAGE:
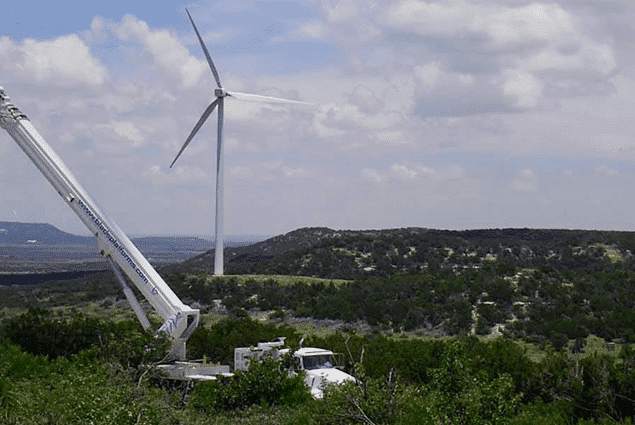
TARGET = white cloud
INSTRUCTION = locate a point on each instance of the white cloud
(586, 57)
(502, 25)
(372, 175)
(183, 174)
(403, 172)
(166, 50)
(365, 99)
(241, 172)
(390, 137)
(295, 172)
(63, 61)
(407, 172)
(427, 75)
(342, 11)
(605, 170)
(526, 181)
(313, 29)
(523, 86)
(336, 122)
(128, 130)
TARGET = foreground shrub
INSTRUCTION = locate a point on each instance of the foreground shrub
(40, 333)
(265, 383)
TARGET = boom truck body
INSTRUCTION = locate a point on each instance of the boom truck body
(179, 320)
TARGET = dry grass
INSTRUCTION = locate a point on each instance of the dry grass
(281, 280)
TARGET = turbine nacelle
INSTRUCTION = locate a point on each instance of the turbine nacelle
(221, 92)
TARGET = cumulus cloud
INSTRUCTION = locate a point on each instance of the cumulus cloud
(427, 76)
(468, 58)
(606, 171)
(341, 11)
(241, 172)
(165, 48)
(183, 174)
(584, 57)
(128, 130)
(408, 172)
(336, 121)
(442, 173)
(63, 61)
(295, 172)
(313, 29)
(372, 175)
(403, 172)
(525, 181)
(501, 25)
(365, 99)
(523, 86)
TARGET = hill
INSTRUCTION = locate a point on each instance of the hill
(350, 254)
(544, 285)
(258, 253)
(43, 248)
(42, 233)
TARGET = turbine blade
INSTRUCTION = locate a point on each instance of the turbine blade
(209, 58)
(265, 99)
(198, 125)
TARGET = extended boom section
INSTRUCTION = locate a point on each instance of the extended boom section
(179, 319)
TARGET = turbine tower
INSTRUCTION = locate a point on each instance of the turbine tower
(221, 94)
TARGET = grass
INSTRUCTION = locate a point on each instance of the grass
(282, 280)
(597, 346)
(594, 346)
(64, 299)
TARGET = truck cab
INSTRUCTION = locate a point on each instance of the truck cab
(320, 369)
(318, 364)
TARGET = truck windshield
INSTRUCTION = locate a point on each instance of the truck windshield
(322, 361)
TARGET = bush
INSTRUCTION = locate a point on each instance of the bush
(40, 333)
(265, 383)
(219, 340)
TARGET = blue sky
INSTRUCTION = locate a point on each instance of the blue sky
(448, 114)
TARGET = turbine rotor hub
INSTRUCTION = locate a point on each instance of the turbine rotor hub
(220, 92)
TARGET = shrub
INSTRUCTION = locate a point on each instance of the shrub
(265, 383)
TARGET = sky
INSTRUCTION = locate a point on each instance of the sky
(448, 114)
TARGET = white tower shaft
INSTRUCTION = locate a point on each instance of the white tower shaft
(220, 159)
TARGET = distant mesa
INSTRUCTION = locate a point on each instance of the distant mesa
(38, 233)
(47, 234)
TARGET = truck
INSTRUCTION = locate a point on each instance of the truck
(319, 365)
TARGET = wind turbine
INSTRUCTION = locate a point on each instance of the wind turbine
(221, 94)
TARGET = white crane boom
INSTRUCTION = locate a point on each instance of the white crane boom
(180, 320)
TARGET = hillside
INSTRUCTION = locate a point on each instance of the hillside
(544, 285)
(560, 298)
(349, 254)
(269, 250)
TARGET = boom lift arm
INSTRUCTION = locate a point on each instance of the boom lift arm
(180, 320)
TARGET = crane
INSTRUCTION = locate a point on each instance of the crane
(179, 320)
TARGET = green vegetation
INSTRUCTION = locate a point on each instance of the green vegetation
(400, 381)
(476, 327)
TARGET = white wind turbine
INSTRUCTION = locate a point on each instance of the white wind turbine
(221, 94)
